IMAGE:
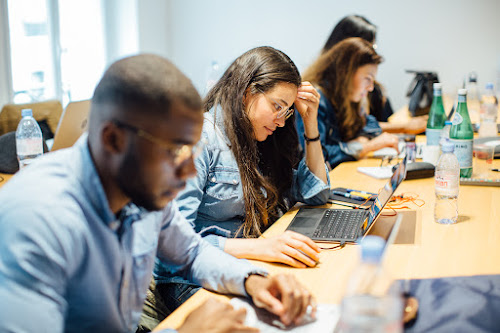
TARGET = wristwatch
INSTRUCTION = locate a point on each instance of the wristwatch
(259, 273)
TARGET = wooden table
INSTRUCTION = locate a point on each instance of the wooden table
(4, 177)
(470, 247)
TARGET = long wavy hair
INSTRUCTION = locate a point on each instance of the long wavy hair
(333, 72)
(266, 168)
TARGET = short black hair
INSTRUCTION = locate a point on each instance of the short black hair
(146, 82)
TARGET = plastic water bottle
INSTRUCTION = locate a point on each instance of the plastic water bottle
(473, 103)
(437, 117)
(29, 142)
(372, 302)
(213, 75)
(462, 135)
(445, 134)
(447, 180)
(488, 112)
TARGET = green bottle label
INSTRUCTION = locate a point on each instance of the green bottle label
(457, 119)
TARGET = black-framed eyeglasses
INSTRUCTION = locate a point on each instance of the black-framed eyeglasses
(282, 111)
(179, 152)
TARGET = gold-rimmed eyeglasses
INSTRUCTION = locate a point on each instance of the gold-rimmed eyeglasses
(282, 111)
(179, 152)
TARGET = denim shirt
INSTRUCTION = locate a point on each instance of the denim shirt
(334, 149)
(68, 264)
(213, 200)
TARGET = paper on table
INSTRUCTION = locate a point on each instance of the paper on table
(327, 316)
(377, 172)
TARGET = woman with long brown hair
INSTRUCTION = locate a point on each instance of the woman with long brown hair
(379, 104)
(249, 172)
(344, 75)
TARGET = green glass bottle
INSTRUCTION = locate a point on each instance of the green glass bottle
(437, 117)
(462, 135)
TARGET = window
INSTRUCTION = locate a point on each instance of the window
(57, 49)
(31, 51)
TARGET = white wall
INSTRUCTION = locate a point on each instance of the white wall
(452, 37)
(121, 28)
(154, 28)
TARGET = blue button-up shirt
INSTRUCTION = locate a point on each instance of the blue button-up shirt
(67, 264)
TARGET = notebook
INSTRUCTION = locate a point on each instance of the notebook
(382, 172)
(346, 225)
(72, 125)
(348, 197)
(327, 316)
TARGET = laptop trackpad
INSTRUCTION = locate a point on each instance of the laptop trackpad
(306, 222)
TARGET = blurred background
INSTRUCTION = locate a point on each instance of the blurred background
(60, 48)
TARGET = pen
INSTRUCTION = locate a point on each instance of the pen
(496, 170)
(348, 195)
(361, 194)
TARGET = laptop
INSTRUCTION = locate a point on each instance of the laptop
(346, 225)
(72, 125)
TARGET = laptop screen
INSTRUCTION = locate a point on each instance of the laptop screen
(386, 194)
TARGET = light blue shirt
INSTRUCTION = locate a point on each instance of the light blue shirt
(213, 200)
(67, 264)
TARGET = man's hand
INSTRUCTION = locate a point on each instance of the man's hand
(282, 295)
(216, 316)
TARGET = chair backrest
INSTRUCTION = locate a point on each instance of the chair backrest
(50, 111)
(73, 124)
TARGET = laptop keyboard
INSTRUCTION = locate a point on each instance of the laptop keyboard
(339, 224)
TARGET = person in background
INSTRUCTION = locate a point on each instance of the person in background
(80, 228)
(379, 104)
(344, 76)
(249, 172)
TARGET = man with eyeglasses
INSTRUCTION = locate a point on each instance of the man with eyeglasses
(80, 228)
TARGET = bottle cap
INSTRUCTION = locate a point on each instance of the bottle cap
(26, 113)
(447, 146)
(462, 91)
(437, 85)
(372, 248)
(447, 122)
(472, 77)
(489, 85)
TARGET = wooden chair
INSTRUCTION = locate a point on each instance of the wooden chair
(50, 111)
(73, 123)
